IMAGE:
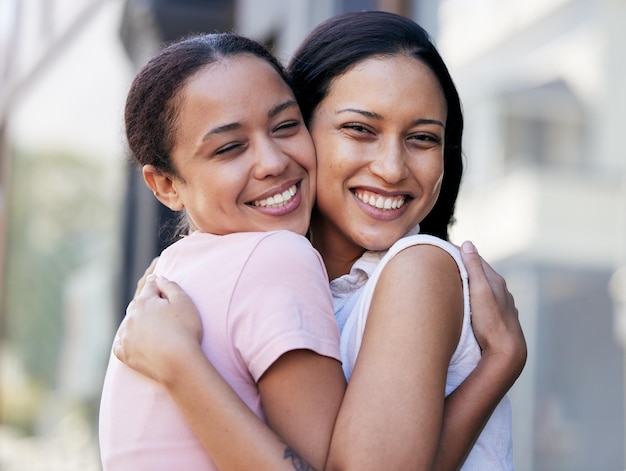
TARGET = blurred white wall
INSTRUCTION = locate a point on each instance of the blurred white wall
(76, 102)
(543, 88)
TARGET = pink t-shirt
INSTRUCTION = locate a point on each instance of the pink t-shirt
(260, 295)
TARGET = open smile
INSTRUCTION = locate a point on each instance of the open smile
(379, 201)
(278, 200)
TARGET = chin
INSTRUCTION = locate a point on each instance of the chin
(300, 228)
(378, 241)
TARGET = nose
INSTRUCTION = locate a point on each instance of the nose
(389, 163)
(269, 159)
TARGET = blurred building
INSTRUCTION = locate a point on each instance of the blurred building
(544, 196)
(543, 87)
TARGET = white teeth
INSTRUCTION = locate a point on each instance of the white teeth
(279, 199)
(381, 202)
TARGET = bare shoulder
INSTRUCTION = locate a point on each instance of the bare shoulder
(423, 259)
(419, 295)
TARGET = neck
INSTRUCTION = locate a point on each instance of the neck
(338, 252)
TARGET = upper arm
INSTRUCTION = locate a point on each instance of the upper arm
(393, 406)
(292, 346)
(301, 394)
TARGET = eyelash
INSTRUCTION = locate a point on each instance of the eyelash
(427, 137)
(360, 128)
(356, 127)
(227, 148)
(287, 125)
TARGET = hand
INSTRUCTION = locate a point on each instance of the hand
(161, 331)
(142, 280)
(495, 319)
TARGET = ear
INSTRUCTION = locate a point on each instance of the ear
(164, 187)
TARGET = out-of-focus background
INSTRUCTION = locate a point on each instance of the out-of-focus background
(543, 84)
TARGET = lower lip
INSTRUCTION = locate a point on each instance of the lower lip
(381, 214)
(288, 208)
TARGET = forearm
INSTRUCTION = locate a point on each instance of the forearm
(230, 432)
(496, 326)
(469, 407)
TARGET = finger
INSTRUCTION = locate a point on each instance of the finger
(150, 288)
(497, 283)
(474, 264)
(144, 277)
(168, 289)
(490, 273)
(117, 349)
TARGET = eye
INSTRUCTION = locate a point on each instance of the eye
(230, 147)
(425, 139)
(357, 128)
(287, 127)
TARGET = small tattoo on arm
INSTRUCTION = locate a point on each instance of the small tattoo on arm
(296, 460)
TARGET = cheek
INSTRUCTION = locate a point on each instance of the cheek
(324, 163)
(300, 148)
(437, 175)
(335, 160)
(433, 170)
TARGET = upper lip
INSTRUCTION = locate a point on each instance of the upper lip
(382, 192)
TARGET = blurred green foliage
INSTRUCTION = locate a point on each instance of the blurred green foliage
(62, 211)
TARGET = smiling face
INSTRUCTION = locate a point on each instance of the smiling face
(243, 157)
(379, 137)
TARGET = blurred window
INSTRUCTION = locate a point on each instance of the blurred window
(544, 127)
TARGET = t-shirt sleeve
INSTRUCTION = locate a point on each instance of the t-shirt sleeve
(282, 302)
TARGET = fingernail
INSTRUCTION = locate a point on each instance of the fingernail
(151, 278)
(468, 247)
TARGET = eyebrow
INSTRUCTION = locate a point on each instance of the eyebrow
(370, 114)
(283, 106)
(233, 126)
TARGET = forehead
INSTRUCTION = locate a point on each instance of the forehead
(397, 80)
(232, 88)
(244, 73)
(238, 90)
(405, 66)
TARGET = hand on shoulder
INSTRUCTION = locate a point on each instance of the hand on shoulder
(495, 319)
